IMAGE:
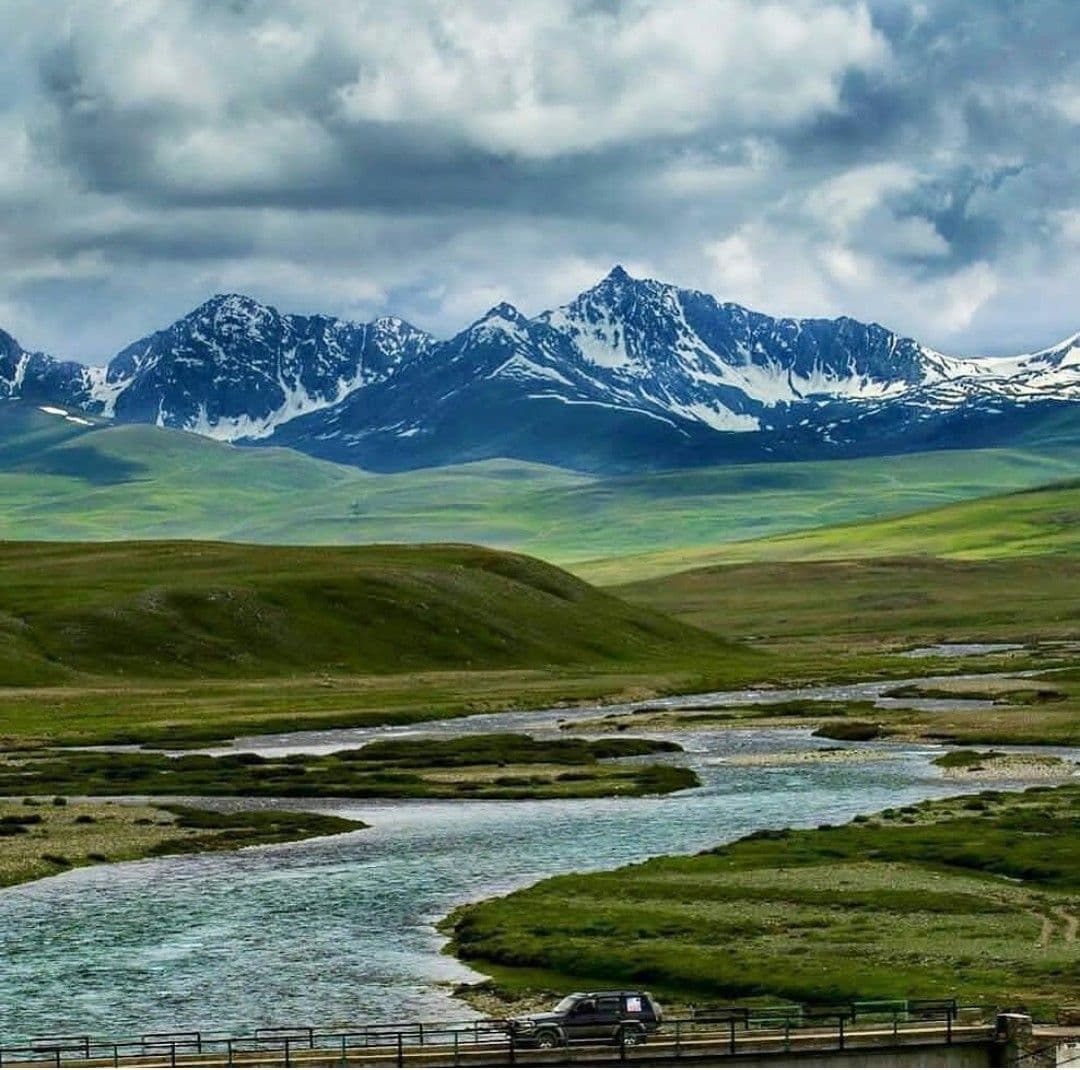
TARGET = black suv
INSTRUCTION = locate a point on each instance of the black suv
(618, 1017)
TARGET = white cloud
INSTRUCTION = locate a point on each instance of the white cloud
(536, 81)
(963, 295)
(1065, 98)
(736, 272)
(845, 200)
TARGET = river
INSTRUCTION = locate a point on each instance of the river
(341, 930)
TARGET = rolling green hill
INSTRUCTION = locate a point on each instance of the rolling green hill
(1027, 523)
(65, 481)
(169, 610)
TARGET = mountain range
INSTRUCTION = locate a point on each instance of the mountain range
(632, 374)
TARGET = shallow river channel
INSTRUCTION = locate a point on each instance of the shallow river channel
(341, 930)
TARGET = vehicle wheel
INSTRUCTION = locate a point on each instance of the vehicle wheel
(547, 1038)
(630, 1036)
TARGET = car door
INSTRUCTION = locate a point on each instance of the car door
(609, 1014)
(582, 1021)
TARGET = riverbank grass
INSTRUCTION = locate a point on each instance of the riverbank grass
(1020, 710)
(43, 836)
(976, 897)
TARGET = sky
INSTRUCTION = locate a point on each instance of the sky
(912, 163)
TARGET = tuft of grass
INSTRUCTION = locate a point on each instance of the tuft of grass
(856, 731)
(965, 759)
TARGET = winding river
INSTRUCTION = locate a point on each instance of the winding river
(341, 930)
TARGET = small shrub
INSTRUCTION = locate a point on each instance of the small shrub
(852, 731)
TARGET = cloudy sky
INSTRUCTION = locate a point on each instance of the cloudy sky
(916, 163)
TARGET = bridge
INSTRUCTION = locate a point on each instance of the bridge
(938, 1035)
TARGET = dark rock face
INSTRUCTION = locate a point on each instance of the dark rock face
(631, 374)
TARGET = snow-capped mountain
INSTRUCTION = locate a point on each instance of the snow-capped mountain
(232, 369)
(631, 373)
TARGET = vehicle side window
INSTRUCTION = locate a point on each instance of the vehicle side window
(609, 1007)
(634, 1005)
(586, 1006)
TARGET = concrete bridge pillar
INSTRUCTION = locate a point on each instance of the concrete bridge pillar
(1013, 1040)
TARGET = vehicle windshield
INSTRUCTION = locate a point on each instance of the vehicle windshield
(567, 1002)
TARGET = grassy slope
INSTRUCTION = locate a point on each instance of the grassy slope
(1028, 523)
(62, 481)
(144, 640)
(198, 609)
(911, 903)
(884, 603)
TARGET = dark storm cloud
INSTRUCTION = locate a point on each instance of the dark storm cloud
(913, 163)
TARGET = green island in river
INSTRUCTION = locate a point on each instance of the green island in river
(976, 896)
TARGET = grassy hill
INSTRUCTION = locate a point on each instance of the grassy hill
(66, 481)
(1045, 520)
(1003, 568)
(175, 609)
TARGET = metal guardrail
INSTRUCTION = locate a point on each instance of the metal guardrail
(725, 1030)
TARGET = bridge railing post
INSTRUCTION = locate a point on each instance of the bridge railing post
(732, 1041)
(288, 1054)
(948, 1024)
(840, 1030)
(400, 1050)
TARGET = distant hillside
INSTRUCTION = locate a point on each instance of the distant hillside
(1044, 520)
(70, 481)
(163, 610)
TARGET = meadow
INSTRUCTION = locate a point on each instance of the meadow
(975, 897)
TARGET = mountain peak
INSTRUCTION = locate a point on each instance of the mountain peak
(8, 344)
(617, 274)
(236, 302)
(503, 311)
